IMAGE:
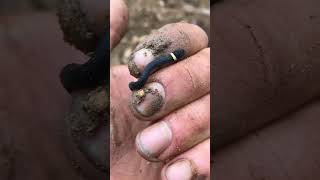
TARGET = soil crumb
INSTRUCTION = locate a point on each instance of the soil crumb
(89, 111)
(76, 26)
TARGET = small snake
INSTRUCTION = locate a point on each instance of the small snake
(90, 74)
(156, 64)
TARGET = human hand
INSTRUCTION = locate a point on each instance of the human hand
(178, 106)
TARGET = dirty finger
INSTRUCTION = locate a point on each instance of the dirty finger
(193, 164)
(189, 37)
(177, 132)
(173, 87)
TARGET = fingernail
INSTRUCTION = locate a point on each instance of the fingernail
(148, 100)
(152, 141)
(139, 60)
(180, 170)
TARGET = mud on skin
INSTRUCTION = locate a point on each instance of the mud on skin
(159, 43)
(88, 124)
(139, 96)
(70, 16)
(84, 25)
(80, 25)
(157, 47)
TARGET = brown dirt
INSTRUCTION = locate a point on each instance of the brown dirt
(76, 26)
(83, 22)
(87, 119)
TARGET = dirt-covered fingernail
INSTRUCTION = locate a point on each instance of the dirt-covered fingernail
(138, 60)
(154, 140)
(149, 100)
(180, 170)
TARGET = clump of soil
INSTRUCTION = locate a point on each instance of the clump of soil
(89, 111)
(88, 121)
(88, 118)
(98, 102)
(76, 27)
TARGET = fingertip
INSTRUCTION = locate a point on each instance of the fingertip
(148, 104)
(138, 60)
(192, 164)
(181, 169)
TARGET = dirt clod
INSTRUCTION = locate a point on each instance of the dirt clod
(76, 27)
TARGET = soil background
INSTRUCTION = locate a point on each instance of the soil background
(146, 16)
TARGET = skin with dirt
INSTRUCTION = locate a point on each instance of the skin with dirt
(155, 17)
(80, 124)
(43, 148)
(147, 16)
(76, 26)
(160, 45)
(89, 114)
(83, 22)
(140, 95)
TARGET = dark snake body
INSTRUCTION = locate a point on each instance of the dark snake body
(90, 74)
(156, 64)
(95, 71)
